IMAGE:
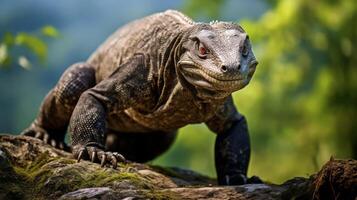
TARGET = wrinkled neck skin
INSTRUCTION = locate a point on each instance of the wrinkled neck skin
(169, 76)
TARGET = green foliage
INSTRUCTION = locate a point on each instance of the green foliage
(17, 48)
(50, 31)
(303, 86)
(211, 8)
(192, 149)
(301, 105)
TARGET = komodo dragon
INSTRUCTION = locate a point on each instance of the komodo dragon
(150, 78)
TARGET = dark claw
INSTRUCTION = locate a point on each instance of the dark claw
(61, 145)
(104, 157)
(80, 155)
(114, 162)
(46, 138)
(29, 133)
(53, 143)
(93, 155)
(38, 135)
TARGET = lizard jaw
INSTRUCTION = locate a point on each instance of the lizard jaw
(205, 79)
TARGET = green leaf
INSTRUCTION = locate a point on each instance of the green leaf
(8, 39)
(35, 44)
(3, 53)
(50, 31)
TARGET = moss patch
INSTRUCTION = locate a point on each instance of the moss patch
(53, 176)
(12, 185)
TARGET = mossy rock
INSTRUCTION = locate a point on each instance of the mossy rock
(33, 170)
(30, 169)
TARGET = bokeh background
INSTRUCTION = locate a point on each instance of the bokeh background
(301, 105)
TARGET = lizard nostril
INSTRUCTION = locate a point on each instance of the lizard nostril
(239, 66)
(224, 68)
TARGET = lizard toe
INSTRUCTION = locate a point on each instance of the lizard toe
(114, 161)
(103, 160)
(46, 138)
(81, 154)
(54, 143)
(94, 156)
(29, 132)
(98, 155)
(111, 158)
(119, 157)
(39, 135)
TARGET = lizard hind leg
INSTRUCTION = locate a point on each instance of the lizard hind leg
(57, 107)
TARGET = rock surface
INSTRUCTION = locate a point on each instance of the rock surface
(30, 169)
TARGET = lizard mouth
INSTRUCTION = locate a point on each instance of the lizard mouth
(210, 81)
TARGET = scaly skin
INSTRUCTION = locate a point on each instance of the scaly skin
(150, 78)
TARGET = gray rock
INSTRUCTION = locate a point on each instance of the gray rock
(89, 193)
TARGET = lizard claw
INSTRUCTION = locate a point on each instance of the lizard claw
(42, 134)
(53, 143)
(94, 155)
(39, 134)
(46, 137)
(102, 162)
(97, 155)
(114, 162)
(80, 154)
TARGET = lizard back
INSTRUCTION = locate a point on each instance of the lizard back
(150, 35)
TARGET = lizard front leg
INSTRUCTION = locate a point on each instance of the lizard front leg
(121, 90)
(88, 129)
(232, 148)
(232, 155)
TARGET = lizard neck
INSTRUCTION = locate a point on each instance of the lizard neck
(168, 75)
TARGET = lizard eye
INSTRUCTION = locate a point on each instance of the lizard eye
(202, 51)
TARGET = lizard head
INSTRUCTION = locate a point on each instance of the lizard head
(217, 59)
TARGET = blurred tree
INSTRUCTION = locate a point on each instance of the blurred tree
(211, 9)
(302, 103)
(307, 81)
(16, 48)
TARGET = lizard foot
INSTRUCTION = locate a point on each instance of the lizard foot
(254, 180)
(97, 155)
(40, 133)
(240, 179)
